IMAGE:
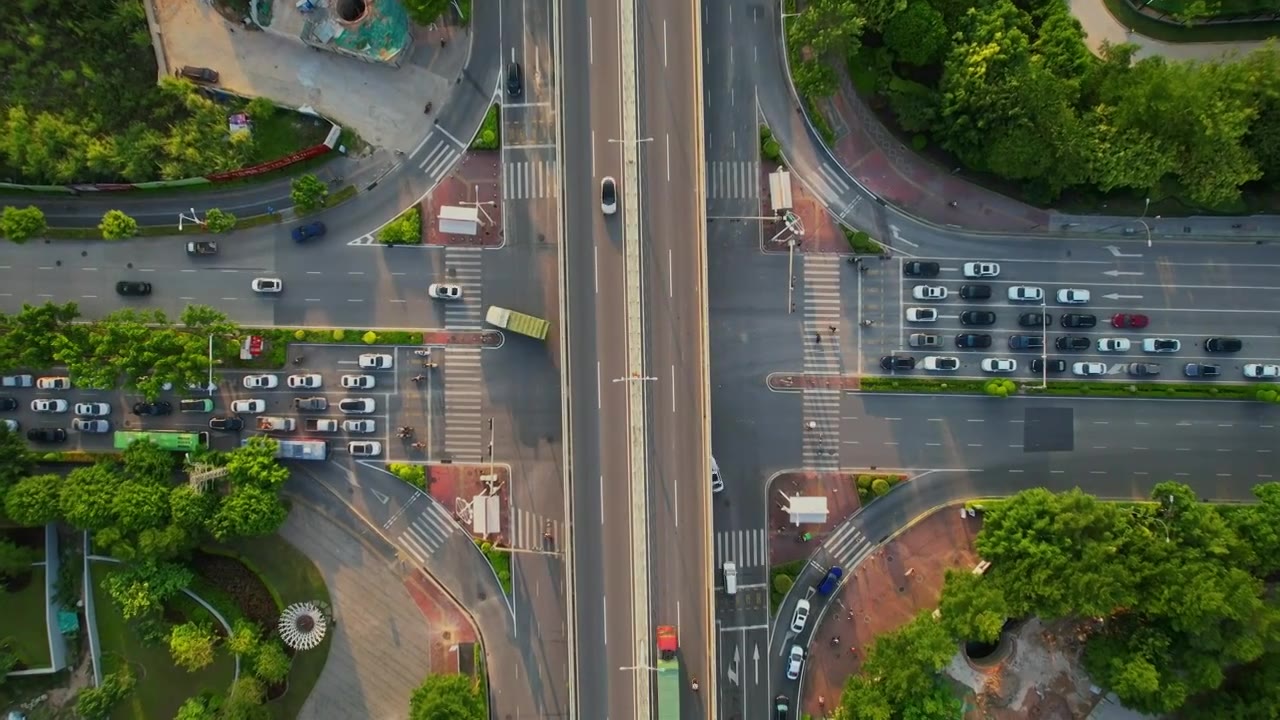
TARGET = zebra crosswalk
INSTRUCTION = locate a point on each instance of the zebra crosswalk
(728, 179)
(822, 357)
(745, 548)
(463, 393)
(526, 179)
(828, 184)
(438, 158)
(847, 546)
(427, 532)
(463, 265)
(529, 528)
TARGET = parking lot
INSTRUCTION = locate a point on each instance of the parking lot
(1122, 325)
(270, 407)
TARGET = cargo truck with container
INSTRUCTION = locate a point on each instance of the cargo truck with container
(668, 673)
(517, 322)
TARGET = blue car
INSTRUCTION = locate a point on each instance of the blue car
(302, 233)
(831, 581)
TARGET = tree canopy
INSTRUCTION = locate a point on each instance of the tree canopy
(447, 697)
(1175, 584)
(1011, 89)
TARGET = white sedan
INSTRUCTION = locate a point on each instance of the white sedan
(929, 292)
(359, 426)
(1109, 344)
(54, 383)
(255, 382)
(981, 269)
(940, 362)
(358, 382)
(795, 659)
(999, 365)
(1085, 369)
(356, 406)
(267, 285)
(253, 405)
(800, 616)
(375, 361)
(307, 381)
(1073, 296)
(1257, 371)
(922, 314)
(93, 409)
(365, 448)
(48, 405)
(1026, 293)
(445, 291)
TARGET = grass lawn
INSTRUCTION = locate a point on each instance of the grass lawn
(162, 686)
(23, 612)
(291, 577)
(286, 132)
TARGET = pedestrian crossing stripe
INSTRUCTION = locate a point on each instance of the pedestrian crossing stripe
(364, 240)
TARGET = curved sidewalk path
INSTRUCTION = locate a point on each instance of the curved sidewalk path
(1100, 25)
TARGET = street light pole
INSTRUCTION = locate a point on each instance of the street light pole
(209, 387)
(1142, 220)
(1044, 345)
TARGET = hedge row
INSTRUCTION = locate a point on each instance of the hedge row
(1187, 391)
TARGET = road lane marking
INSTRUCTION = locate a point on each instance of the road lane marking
(230, 298)
(314, 272)
(455, 140)
(668, 136)
(1097, 472)
(90, 297)
(597, 384)
(88, 269)
(313, 300)
(671, 274)
(673, 388)
(46, 267)
(975, 420)
(595, 266)
(184, 297)
(355, 300)
(602, 500)
(664, 47)
(355, 272)
(591, 56)
(604, 609)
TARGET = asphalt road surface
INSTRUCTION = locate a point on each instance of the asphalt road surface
(597, 336)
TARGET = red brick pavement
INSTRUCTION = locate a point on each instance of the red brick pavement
(896, 173)
(785, 542)
(475, 179)
(486, 338)
(448, 481)
(448, 623)
(884, 592)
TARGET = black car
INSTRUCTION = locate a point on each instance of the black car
(1073, 342)
(515, 79)
(1035, 319)
(781, 707)
(975, 292)
(1201, 370)
(230, 423)
(1143, 369)
(1079, 320)
(133, 287)
(152, 408)
(897, 362)
(973, 340)
(8, 403)
(1026, 342)
(198, 74)
(977, 317)
(916, 268)
(47, 435)
(1223, 344)
(1056, 365)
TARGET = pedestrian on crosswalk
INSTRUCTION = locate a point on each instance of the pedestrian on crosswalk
(817, 338)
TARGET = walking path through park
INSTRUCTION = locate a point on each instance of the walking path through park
(1099, 25)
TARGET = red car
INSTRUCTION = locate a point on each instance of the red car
(1124, 320)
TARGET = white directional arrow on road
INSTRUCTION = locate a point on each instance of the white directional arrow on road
(755, 657)
(1118, 273)
(732, 672)
(898, 236)
(1117, 296)
(1115, 250)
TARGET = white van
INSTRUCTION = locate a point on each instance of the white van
(730, 578)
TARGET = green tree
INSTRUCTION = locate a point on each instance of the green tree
(196, 708)
(244, 702)
(15, 560)
(447, 697)
(243, 639)
(813, 78)
(248, 510)
(87, 494)
(404, 230)
(308, 192)
(142, 588)
(21, 224)
(33, 500)
(116, 225)
(16, 461)
(29, 338)
(219, 221)
(971, 607)
(145, 461)
(917, 35)
(830, 26)
(261, 108)
(271, 662)
(190, 509)
(191, 646)
(255, 464)
(139, 505)
(97, 703)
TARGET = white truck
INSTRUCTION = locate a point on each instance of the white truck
(271, 423)
(320, 425)
(16, 381)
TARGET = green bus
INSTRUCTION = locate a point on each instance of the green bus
(165, 439)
